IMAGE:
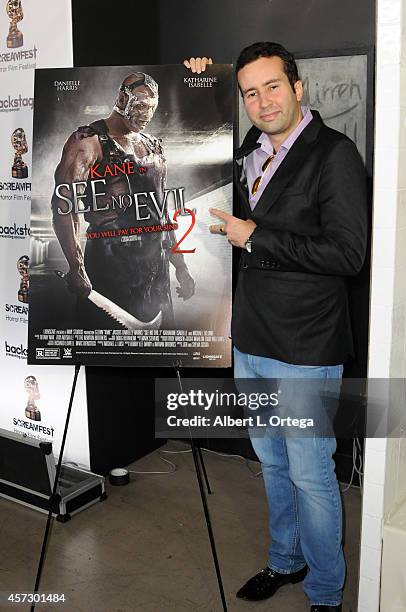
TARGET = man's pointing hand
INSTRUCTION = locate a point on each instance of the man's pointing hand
(237, 231)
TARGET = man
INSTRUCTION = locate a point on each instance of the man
(132, 273)
(301, 226)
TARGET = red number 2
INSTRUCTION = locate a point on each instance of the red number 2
(175, 248)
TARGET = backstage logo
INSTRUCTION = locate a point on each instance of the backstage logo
(200, 81)
(15, 232)
(66, 85)
(19, 352)
(10, 104)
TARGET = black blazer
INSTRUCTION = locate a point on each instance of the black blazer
(291, 300)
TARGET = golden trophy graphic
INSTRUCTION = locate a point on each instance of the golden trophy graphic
(15, 14)
(18, 140)
(22, 266)
(31, 410)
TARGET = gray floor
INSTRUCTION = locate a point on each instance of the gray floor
(146, 547)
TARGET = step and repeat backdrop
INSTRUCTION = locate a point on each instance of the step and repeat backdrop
(107, 176)
(33, 399)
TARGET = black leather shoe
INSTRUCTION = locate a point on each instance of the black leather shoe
(325, 608)
(267, 582)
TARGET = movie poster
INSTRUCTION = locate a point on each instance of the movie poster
(127, 162)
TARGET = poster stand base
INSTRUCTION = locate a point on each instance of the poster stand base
(199, 467)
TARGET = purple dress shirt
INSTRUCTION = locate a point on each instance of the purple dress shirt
(255, 160)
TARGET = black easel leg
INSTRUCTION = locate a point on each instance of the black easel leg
(206, 511)
(199, 450)
(53, 495)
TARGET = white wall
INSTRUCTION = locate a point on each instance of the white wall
(385, 460)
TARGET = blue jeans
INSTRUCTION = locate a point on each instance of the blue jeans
(305, 514)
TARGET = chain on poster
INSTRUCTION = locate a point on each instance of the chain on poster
(127, 162)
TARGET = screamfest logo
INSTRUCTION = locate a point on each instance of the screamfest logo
(200, 81)
(19, 56)
(15, 39)
(15, 187)
(9, 186)
(16, 313)
(66, 85)
(30, 427)
(32, 412)
(10, 104)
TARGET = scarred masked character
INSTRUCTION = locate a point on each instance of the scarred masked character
(132, 273)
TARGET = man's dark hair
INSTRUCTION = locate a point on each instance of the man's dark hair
(269, 49)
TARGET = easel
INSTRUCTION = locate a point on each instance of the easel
(55, 487)
(199, 467)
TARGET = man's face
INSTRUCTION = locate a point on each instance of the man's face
(143, 104)
(269, 100)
